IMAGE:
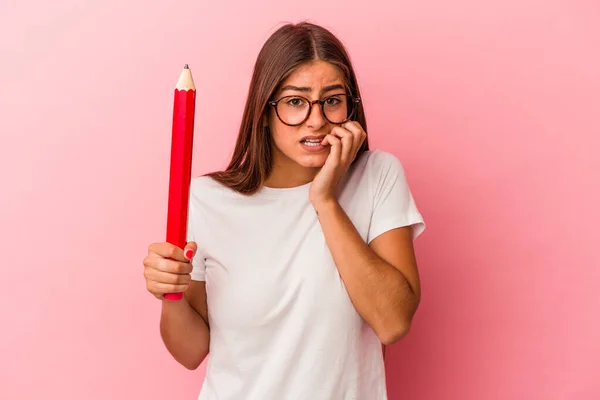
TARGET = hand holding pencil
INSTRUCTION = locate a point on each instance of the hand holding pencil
(167, 269)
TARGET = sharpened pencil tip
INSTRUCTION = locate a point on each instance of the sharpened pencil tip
(186, 67)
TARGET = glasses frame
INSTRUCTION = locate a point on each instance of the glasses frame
(354, 100)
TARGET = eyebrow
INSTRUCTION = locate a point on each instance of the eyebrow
(308, 90)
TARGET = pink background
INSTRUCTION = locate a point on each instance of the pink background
(492, 106)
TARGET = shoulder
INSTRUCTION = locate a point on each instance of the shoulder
(378, 163)
(385, 173)
(206, 186)
(373, 172)
(205, 191)
(208, 193)
(204, 182)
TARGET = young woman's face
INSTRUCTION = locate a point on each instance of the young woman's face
(300, 144)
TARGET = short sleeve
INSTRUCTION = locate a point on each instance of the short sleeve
(394, 205)
(198, 265)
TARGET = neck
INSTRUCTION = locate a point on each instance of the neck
(286, 173)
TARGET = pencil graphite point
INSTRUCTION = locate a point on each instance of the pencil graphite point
(186, 67)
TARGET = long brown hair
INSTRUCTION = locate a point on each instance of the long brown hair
(287, 48)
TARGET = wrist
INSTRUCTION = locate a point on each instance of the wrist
(325, 205)
(173, 305)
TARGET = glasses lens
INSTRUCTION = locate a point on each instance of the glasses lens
(292, 110)
(337, 108)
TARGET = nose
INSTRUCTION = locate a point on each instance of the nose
(315, 119)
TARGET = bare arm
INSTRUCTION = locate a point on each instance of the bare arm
(184, 327)
(381, 279)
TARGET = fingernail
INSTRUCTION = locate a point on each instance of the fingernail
(189, 254)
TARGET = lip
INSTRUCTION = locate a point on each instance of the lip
(313, 137)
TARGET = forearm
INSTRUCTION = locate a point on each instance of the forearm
(380, 293)
(184, 332)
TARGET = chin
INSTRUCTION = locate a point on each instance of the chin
(312, 160)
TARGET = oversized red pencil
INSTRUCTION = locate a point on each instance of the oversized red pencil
(181, 162)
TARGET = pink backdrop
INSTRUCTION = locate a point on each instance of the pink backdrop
(492, 106)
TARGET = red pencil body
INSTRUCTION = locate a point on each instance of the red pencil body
(181, 167)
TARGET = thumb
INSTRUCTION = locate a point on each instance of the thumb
(189, 250)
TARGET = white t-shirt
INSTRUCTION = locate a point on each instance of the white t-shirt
(282, 326)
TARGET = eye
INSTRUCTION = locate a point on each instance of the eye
(295, 102)
(333, 101)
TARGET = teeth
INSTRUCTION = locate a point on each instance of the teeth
(311, 142)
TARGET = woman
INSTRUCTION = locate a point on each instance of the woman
(300, 261)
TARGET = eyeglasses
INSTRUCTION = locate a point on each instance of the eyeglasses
(295, 110)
